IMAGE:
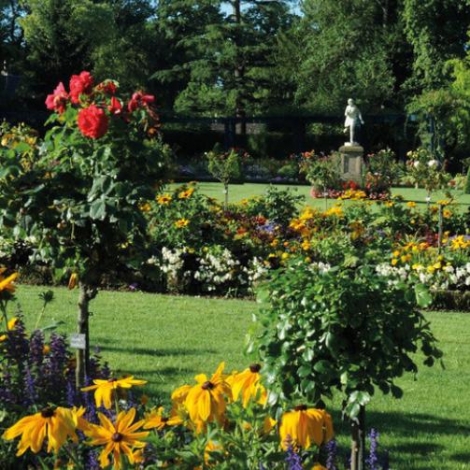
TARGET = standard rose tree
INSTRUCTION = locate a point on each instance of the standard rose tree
(80, 191)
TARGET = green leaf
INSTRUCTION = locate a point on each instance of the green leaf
(323, 367)
(98, 209)
(361, 397)
(423, 296)
(304, 371)
(307, 355)
(352, 410)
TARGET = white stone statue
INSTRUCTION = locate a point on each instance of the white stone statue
(353, 120)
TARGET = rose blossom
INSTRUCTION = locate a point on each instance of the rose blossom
(93, 122)
(57, 101)
(115, 106)
(80, 85)
(139, 100)
(108, 87)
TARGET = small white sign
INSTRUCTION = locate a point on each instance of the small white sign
(77, 340)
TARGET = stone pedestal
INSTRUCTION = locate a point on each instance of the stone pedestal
(352, 162)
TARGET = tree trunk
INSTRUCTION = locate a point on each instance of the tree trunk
(86, 294)
(358, 440)
(239, 72)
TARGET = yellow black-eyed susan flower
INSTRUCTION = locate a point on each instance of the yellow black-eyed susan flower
(157, 419)
(106, 390)
(247, 386)
(118, 438)
(207, 401)
(7, 283)
(53, 424)
(304, 426)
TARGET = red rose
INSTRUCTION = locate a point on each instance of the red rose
(139, 100)
(93, 122)
(115, 106)
(108, 87)
(80, 85)
(57, 101)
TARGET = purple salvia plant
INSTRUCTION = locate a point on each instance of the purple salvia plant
(36, 348)
(30, 394)
(89, 403)
(8, 397)
(17, 344)
(293, 460)
(71, 395)
(331, 448)
(92, 461)
(59, 356)
(373, 459)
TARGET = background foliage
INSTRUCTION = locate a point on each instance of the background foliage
(252, 58)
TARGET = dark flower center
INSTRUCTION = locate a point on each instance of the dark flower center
(165, 419)
(112, 380)
(116, 437)
(255, 368)
(208, 385)
(48, 412)
(300, 408)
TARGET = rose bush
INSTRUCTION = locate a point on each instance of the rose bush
(76, 196)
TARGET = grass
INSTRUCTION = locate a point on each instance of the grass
(167, 340)
(238, 192)
(164, 339)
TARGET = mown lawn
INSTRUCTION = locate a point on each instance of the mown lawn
(238, 192)
(167, 340)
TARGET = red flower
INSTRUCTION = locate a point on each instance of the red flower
(80, 85)
(93, 122)
(139, 100)
(108, 87)
(57, 101)
(115, 106)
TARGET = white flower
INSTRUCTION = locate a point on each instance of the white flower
(433, 163)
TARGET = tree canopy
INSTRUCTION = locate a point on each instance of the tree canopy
(246, 57)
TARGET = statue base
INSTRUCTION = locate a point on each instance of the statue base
(352, 162)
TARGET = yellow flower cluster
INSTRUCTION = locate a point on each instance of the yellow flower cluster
(335, 211)
(411, 251)
(460, 242)
(354, 194)
(181, 223)
(164, 199)
(7, 284)
(193, 406)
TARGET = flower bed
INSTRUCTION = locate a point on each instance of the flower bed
(220, 421)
